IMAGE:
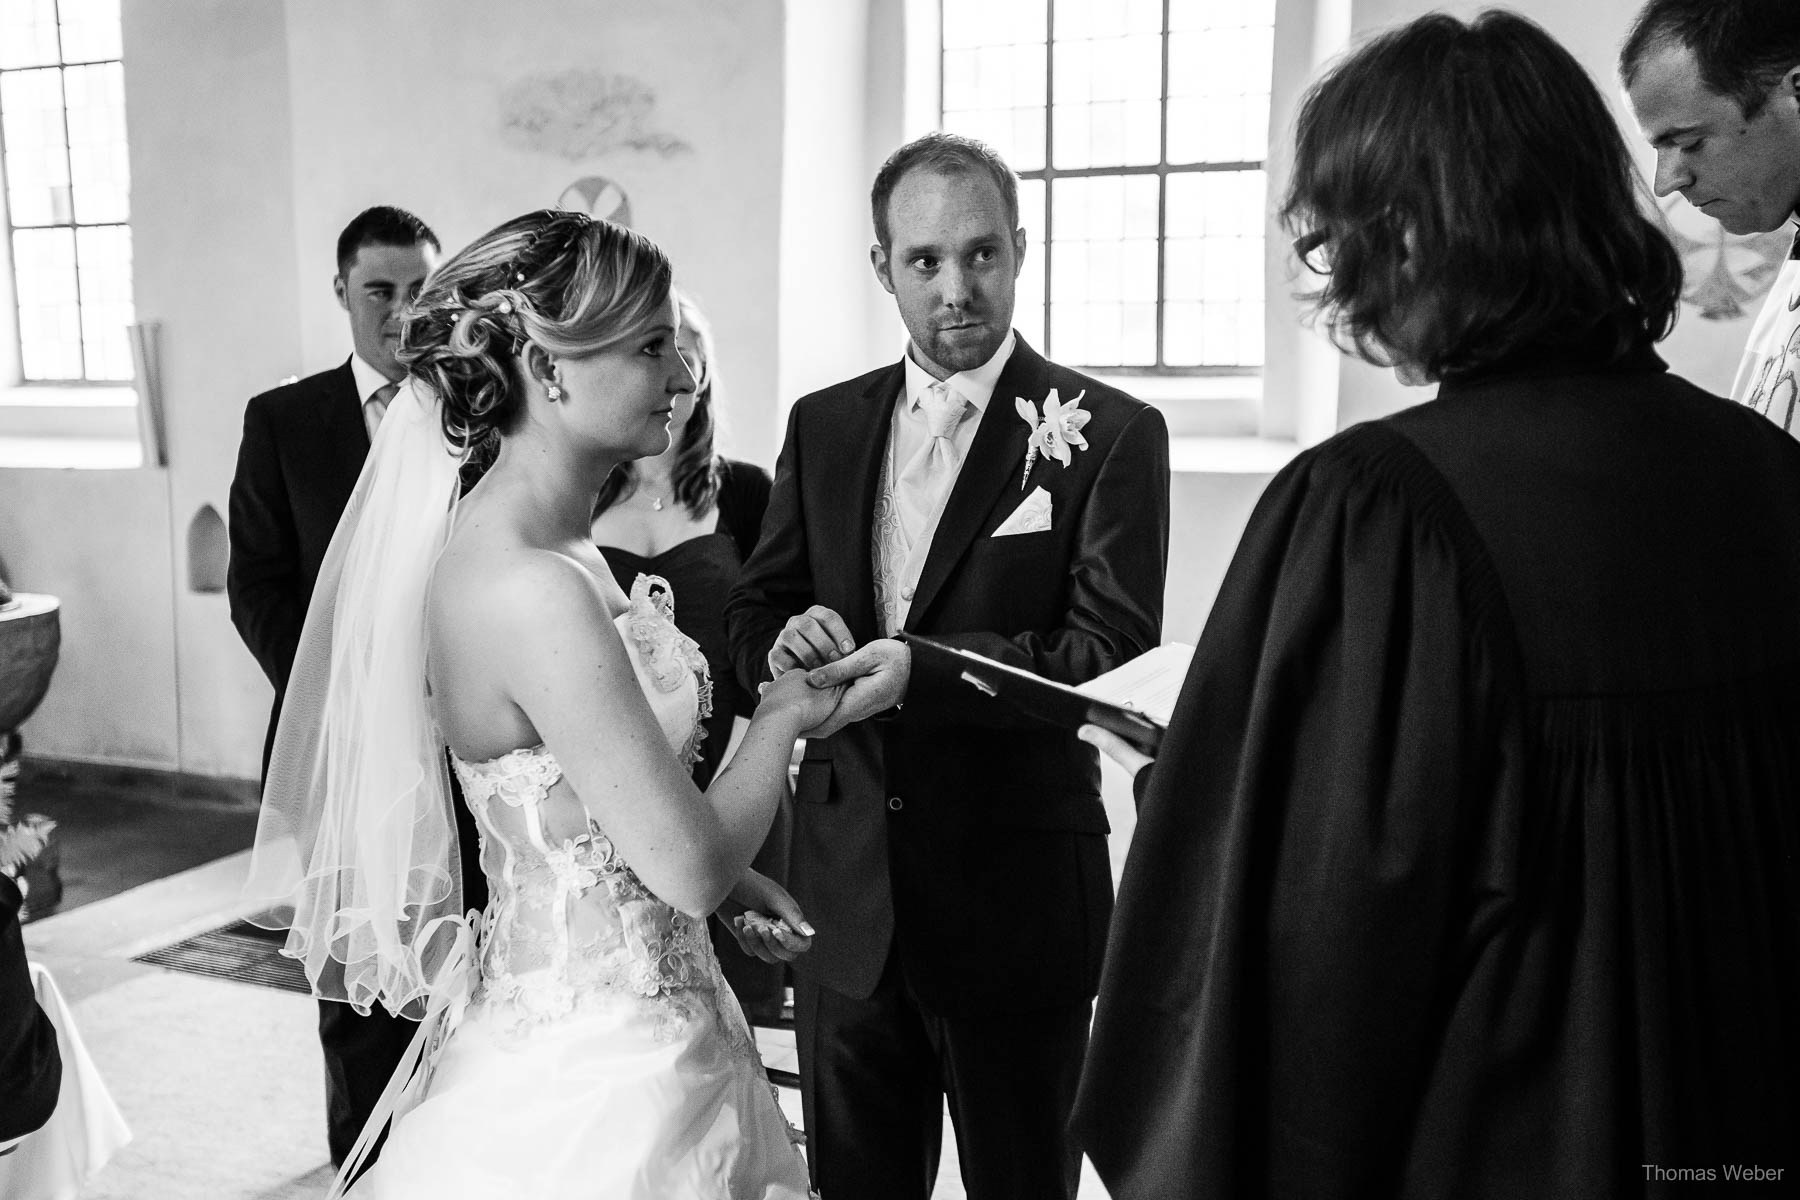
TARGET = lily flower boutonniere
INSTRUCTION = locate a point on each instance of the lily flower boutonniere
(1053, 434)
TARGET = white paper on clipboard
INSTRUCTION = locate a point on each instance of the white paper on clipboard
(1149, 683)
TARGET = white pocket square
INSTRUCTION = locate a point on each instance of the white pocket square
(1032, 516)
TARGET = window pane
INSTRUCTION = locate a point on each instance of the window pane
(994, 22)
(996, 94)
(1028, 299)
(1138, 338)
(37, 164)
(1216, 14)
(1108, 109)
(1213, 269)
(961, 72)
(27, 33)
(49, 317)
(1107, 18)
(1216, 204)
(90, 30)
(97, 155)
(104, 255)
(1219, 94)
(1104, 277)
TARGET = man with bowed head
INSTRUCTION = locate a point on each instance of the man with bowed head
(951, 855)
(304, 445)
(1715, 85)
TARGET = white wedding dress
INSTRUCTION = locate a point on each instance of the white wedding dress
(601, 1054)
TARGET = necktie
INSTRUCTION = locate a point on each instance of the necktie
(923, 481)
(375, 407)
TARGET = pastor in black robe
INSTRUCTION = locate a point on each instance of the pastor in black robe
(1471, 864)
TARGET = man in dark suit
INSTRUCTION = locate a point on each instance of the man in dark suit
(952, 855)
(304, 445)
(30, 1064)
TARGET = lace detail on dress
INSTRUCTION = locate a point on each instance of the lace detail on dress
(569, 924)
(669, 655)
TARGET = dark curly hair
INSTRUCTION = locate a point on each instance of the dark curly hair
(568, 283)
(1469, 200)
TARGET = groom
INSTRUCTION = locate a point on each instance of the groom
(951, 855)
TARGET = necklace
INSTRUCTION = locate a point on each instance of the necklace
(656, 502)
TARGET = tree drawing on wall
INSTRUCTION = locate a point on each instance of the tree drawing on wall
(584, 114)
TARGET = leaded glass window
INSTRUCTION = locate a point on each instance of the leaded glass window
(67, 187)
(1139, 129)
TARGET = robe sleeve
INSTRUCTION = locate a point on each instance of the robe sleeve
(1312, 847)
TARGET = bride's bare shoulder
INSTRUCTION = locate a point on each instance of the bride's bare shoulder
(514, 583)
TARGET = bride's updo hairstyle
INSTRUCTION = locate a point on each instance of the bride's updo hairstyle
(570, 284)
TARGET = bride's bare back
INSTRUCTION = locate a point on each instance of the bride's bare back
(483, 583)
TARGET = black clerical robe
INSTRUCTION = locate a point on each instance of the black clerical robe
(1471, 864)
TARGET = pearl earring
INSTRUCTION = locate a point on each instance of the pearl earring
(555, 392)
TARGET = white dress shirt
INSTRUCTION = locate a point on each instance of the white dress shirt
(368, 382)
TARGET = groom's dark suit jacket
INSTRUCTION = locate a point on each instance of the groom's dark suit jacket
(973, 836)
(304, 445)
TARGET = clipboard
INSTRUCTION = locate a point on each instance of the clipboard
(1051, 702)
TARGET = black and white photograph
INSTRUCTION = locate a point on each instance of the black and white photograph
(899, 599)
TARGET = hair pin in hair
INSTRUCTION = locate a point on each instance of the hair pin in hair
(506, 308)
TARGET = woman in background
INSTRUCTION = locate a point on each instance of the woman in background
(692, 516)
(1467, 867)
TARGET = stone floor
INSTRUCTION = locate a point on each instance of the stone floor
(220, 1081)
(117, 828)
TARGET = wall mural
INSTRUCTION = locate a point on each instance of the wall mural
(1726, 274)
(582, 114)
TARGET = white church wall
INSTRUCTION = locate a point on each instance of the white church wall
(257, 130)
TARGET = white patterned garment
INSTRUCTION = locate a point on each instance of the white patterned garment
(602, 1054)
(1769, 378)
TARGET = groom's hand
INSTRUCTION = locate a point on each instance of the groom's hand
(876, 677)
(810, 639)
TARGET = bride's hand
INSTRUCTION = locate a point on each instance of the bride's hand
(811, 706)
(771, 927)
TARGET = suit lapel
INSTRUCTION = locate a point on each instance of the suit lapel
(848, 516)
(346, 433)
(994, 462)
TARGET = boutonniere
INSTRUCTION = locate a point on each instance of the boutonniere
(1053, 434)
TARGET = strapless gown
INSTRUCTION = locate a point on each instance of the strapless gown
(601, 1054)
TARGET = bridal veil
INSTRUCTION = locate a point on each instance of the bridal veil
(356, 850)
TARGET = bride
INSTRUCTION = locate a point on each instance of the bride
(577, 1038)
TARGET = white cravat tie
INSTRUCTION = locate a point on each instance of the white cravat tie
(923, 481)
(375, 407)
